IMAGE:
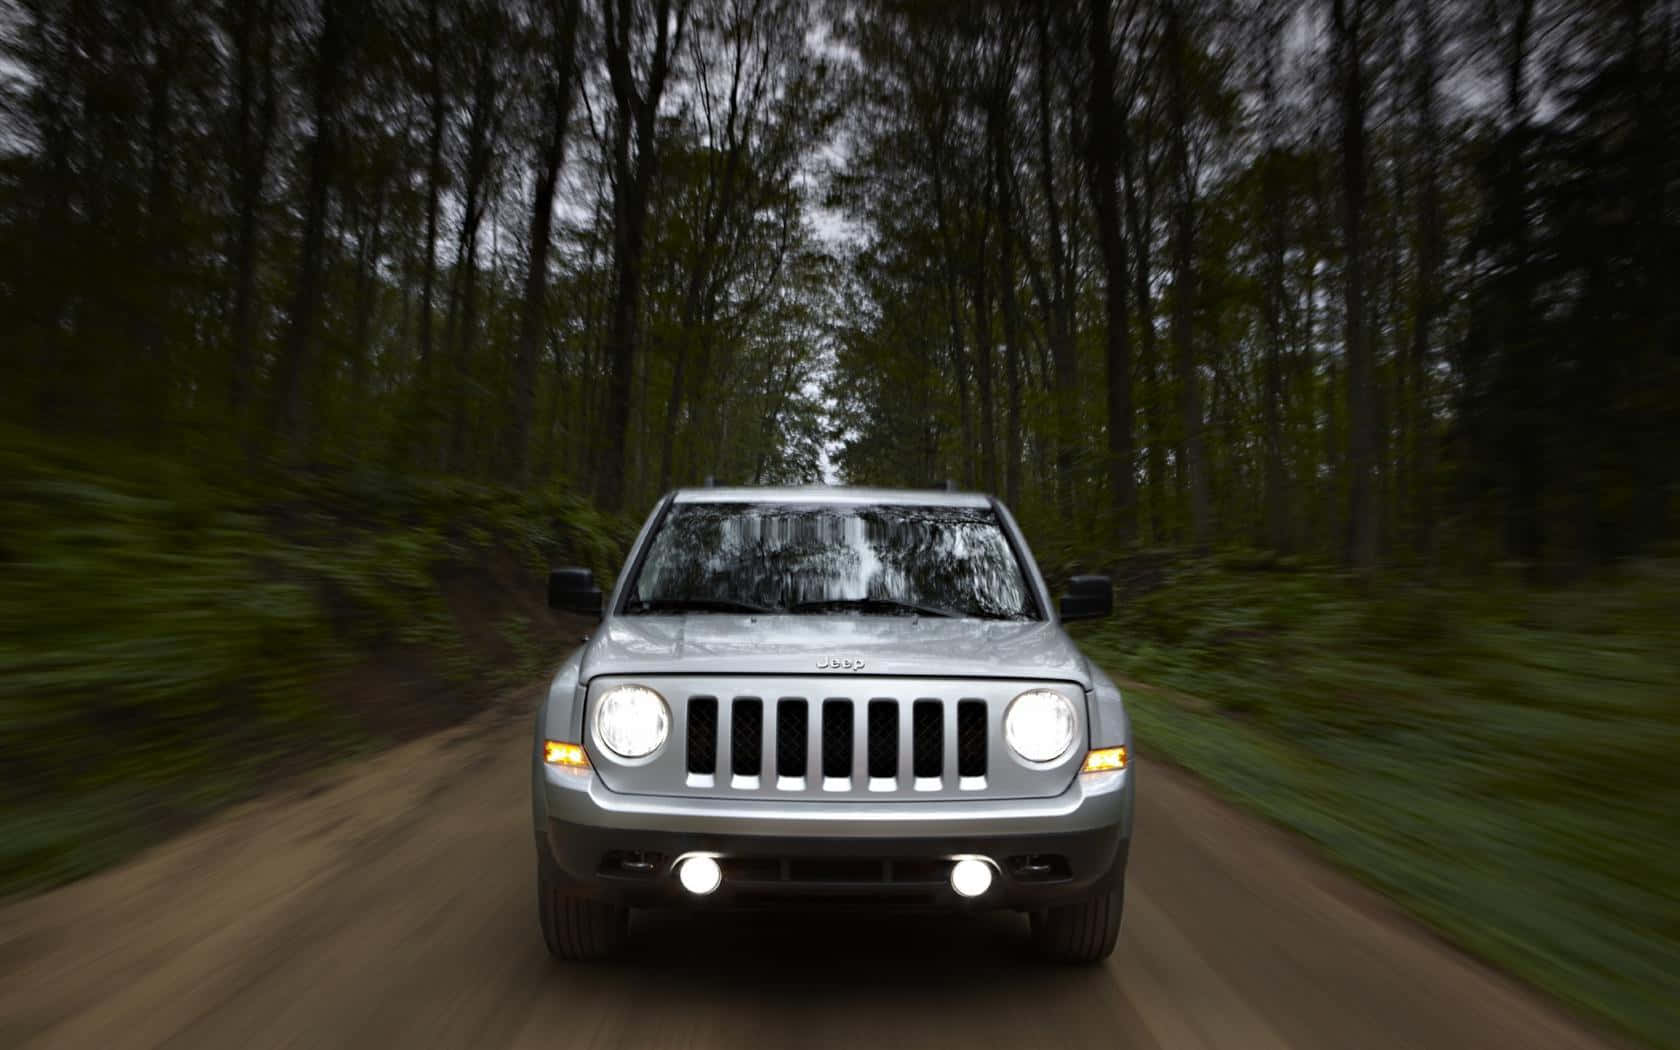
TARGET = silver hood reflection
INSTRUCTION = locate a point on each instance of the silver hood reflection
(779, 644)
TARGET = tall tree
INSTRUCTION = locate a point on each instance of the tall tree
(254, 117)
(332, 56)
(561, 28)
(1420, 490)
(1106, 126)
(438, 52)
(1361, 550)
(1139, 181)
(636, 101)
(1273, 220)
(1056, 295)
(1192, 452)
(999, 108)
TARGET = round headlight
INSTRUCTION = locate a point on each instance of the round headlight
(1040, 725)
(632, 721)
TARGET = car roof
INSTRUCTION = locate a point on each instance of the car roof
(835, 494)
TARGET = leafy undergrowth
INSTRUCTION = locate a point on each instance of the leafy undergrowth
(1501, 760)
(171, 644)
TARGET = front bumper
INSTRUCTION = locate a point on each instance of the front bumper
(600, 843)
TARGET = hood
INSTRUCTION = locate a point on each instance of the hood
(712, 643)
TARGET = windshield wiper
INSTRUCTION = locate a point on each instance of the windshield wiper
(875, 605)
(718, 605)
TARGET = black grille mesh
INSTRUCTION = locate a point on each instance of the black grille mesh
(928, 729)
(837, 738)
(746, 738)
(883, 743)
(702, 734)
(883, 738)
(792, 741)
(971, 738)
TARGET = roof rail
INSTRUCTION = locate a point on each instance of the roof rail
(950, 485)
(710, 482)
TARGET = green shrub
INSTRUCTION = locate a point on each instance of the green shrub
(1499, 759)
(166, 637)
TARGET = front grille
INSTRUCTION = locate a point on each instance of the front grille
(832, 738)
(923, 744)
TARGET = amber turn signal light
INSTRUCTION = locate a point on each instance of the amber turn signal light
(1105, 760)
(556, 753)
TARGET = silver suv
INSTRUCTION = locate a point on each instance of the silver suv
(831, 695)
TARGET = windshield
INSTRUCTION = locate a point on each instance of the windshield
(824, 559)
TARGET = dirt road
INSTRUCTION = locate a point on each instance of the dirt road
(393, 904)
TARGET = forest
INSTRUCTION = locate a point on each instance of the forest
(1379, 280)
(1341, 332)
(1385, 282)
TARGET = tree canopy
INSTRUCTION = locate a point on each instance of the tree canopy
(1384, 280)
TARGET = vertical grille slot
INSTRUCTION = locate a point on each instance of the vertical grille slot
(792, 740)
(837, 738)
(746, 737)
(971, 738)
(702, 734)
(883, 739)
(928, 725)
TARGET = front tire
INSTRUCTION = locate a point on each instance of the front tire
(1084, 932)
(579, 929)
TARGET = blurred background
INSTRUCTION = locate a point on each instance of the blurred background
(1343, 333)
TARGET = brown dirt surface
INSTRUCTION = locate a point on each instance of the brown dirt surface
(392, 902)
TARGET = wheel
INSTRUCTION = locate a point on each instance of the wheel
(1083, 932)
(579, 929)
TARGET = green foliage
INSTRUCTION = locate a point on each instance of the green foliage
(167, 639)
(1498, 759)
(215, 257)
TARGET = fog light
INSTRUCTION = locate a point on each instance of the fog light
(971, 877)
(700, 875)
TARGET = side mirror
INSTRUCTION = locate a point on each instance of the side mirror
(573, 590)
(1088, 598)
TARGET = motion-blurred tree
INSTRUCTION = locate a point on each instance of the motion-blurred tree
(1377, 279)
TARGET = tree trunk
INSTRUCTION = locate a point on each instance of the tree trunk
(461, 330)
(1420, 426)
(292, 369)
(1194, 455)
(1525, 452)
(1362, 512)
(1057, 304)
(1140, 227)
(959, 362)
(254, 120)
(518, 438)
(434, 190)
(368, 251)
(147, 388)
(983, 360)
(637, 111)
(1004, 179)
(701, 287)
(1274, 209)
(629, 214)
(1102, 166)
